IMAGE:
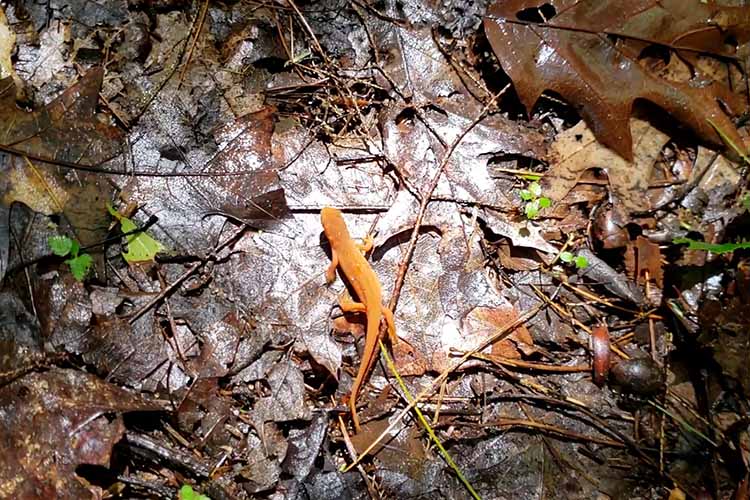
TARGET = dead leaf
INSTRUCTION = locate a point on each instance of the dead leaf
(286, 400)
(576, 150)
(66, 130)
(240, 182)
(75, 420)
(643, 262)
(586, 53)
(484, 322)
(304, 447)
(600, 272)
(325, 352)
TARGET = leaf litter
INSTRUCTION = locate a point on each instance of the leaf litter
(227, 133)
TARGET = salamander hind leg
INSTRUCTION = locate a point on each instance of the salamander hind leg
(347, 304)
(388, 315)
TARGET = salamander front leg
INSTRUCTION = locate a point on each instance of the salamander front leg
(331, 271)
(367, 243)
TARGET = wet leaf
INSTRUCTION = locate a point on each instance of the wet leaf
(304, 447)
(589, 51)
(239, 181)
(286, 400)
(325, 352)
(66, 130)
(599, 271)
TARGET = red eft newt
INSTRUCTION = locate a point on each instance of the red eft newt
(349, 257)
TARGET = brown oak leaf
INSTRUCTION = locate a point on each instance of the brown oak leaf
(589, 52)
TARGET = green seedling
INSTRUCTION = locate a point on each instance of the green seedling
(577, 260)
(301, 56)
(63, 246)
(187, 493)
(534, 200)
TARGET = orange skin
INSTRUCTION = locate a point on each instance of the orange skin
(349, 257)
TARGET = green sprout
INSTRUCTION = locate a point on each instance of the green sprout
(63, 246)
(717, 248)
(579, 261)
(187, 493)
(534, 200)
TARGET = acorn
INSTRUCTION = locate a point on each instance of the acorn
(637, 376)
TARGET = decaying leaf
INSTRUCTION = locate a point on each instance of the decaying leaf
(483, 322)
(76, 421)
(7, 46)
(240, 181)
(588, 51)
(643, 261)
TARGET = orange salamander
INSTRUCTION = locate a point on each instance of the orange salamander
(349, 257)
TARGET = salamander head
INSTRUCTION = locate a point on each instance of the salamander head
(333, 223)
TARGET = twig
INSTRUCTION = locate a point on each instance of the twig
(168, 290)
(198, 29)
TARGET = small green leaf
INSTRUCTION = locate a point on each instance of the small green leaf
(532, 209)
(526, 195)
(746, 202)
(141, 246)
(187, 493)
(566, 257)
(535, 189)
(60, 245)
(544, 202)
(581, 262)
(79, 266)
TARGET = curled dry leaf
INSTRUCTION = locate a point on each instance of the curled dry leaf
(601, 353)
(643, 262)
(588, 51)
(599, 271)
